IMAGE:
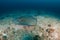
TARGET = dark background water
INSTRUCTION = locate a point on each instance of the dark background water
(45, 5)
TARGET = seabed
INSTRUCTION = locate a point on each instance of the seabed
(25, 27)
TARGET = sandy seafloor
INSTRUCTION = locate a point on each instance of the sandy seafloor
(39, 15)
(43, 19)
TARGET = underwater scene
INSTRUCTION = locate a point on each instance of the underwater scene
(29, 20)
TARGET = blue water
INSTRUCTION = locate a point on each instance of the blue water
(8, 6)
